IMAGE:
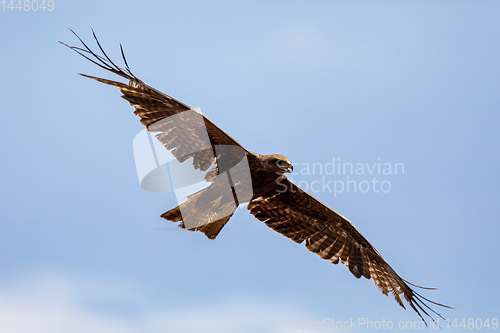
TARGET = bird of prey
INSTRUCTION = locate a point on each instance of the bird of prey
(273, 199)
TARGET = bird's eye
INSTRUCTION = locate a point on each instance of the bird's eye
(281, 162)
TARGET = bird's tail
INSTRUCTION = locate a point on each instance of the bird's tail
(211, 230)
(207, 211)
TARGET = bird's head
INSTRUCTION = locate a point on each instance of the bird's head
(278, 163)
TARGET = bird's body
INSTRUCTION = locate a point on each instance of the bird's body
(258, 180)
(203, 208)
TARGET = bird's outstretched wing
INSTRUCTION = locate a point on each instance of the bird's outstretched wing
(299, 216)
(186, 134)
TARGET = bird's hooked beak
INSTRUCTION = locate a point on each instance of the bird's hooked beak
(284, 164)
(286, 168)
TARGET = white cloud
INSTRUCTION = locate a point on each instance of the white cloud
(50, 303)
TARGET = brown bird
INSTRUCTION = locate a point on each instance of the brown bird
(237, 175)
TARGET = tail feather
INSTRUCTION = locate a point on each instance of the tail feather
(173, 215)
(211, 230)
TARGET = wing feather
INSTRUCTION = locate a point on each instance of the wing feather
(184, 137)
(299, 216)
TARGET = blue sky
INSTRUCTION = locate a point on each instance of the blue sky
(82, 246)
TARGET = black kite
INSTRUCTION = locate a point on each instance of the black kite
(275, 200)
